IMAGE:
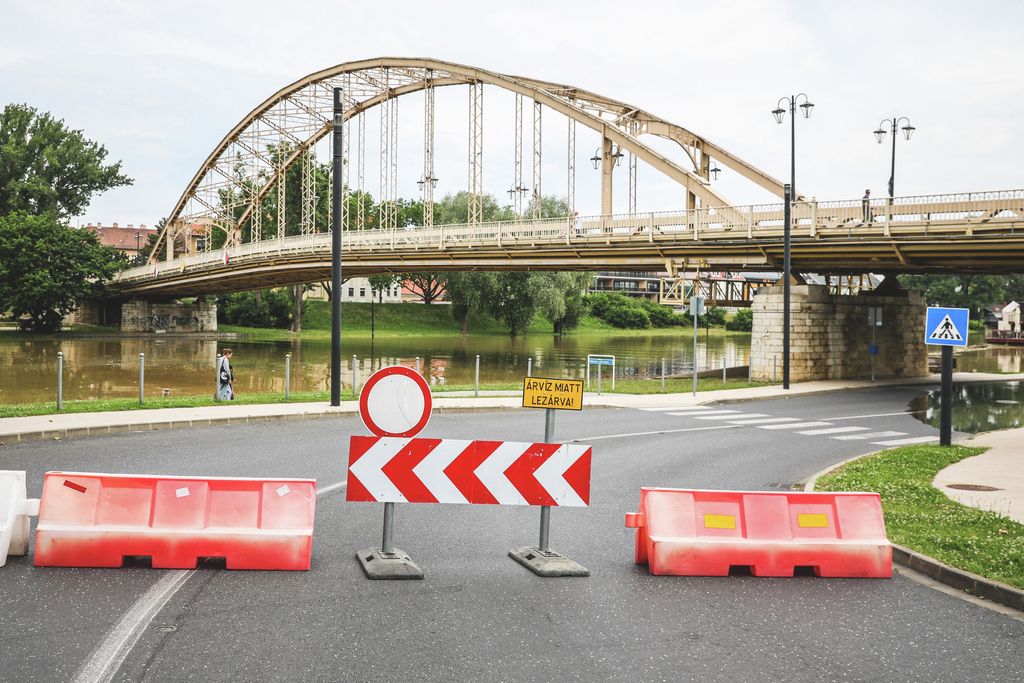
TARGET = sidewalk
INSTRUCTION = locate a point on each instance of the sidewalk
(999, 472)
(59, 426)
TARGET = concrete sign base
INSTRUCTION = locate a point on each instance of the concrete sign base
(547, 562)
(395, 565)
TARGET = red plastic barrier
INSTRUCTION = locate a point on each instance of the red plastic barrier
(96, 520)
(704, 533)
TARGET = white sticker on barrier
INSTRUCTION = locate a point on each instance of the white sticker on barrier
(15, 510)
(283, 490)
(182, 492)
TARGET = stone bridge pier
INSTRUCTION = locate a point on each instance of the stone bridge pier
(831, 334)
(147, 316)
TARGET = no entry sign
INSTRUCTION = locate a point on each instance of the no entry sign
(395, 401)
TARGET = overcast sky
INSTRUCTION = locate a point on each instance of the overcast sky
(159, 83)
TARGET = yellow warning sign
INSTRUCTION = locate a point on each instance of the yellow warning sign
(560, 394)
(806, 520)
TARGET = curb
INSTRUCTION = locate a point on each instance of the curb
(961, 579)
(61, 434)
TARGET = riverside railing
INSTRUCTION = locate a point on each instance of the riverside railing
(810, 218)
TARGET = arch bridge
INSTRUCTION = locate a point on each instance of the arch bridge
(256, 213)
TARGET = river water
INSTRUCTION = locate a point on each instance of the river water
(109, 367)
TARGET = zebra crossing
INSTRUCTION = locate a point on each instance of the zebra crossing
(794, 425)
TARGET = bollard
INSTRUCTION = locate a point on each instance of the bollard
(723, 369)
(142, 378)
(417, 365)
(287, 375)
(476, 386)
(60, 381)
(663, 374)
(355, 376)
(529, 367)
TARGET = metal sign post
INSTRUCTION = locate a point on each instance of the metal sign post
(946, 327)
(874, 320)
(552, 394)
(696, 310)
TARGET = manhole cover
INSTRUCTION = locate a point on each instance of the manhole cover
(972, 487)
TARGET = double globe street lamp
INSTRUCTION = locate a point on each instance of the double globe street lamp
(792, 102)
(907, 129)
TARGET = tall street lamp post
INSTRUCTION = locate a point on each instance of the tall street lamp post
(793, 101)
(337, 227)
(907, 129)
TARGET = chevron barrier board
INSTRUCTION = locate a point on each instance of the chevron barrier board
(417, 470)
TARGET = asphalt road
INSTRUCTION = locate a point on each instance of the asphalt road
(478, 615)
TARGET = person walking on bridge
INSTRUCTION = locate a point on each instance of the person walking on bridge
(225, 378)
(866, 206)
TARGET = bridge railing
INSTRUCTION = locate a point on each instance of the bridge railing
(733, 222)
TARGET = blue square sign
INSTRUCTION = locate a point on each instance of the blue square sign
(946, 326)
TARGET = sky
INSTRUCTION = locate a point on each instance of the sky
(159, 84)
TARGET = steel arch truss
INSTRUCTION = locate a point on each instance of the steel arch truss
(249, 163)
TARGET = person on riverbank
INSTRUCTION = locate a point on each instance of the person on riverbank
(225, 378)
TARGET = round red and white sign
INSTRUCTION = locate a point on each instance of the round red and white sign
(395, 401)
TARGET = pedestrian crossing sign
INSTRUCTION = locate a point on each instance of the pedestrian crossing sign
(946, 326)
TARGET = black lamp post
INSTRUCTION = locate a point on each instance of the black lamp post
(779, 113)
(907, 129)
(336, 222)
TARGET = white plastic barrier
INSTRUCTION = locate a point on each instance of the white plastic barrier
(15, 509)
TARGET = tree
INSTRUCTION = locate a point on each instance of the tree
(559, 297)
(975, 292)
(512, 302)
(45, 168)
(382, 283)
(468, 293)
(47, 268)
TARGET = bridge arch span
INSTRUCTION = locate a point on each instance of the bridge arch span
(299, 115)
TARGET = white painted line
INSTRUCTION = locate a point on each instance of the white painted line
(861, 417)
(652, 410)
(796, 425)
(587, 439)
(764, 420)
(728, 417)
(907, 442)
(714, 412)
(869, 435)
(109, 655)
(833, 430)
(106, 659)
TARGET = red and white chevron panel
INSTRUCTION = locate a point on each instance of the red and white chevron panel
(400, 470)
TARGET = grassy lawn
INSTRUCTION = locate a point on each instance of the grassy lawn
(919, 516)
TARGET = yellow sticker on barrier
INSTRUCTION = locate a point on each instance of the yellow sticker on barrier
(719, 522)
(811, 521)
(559, 394)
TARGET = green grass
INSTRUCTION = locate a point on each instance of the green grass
(115, 404)
(672, 385)
(919, 516)
(405, 320)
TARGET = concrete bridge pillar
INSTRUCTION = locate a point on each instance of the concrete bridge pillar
(831, 335)
(147, 316)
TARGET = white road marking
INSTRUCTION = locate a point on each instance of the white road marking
(653, 410)
(832, 430)
(870, 435)
(659, 431)
(694, 414)
(796, 425)
(728, 417)
(906, 442)
(109, 655)
(861, 417)
(764, 420)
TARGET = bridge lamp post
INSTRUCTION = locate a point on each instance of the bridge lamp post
(907, 129)
(793, 101)
(615, 155)
(714, 171)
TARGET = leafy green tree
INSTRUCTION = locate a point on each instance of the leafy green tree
(45, 168)
(742, 321)
(559, 297)
(513, 302)
(975, 292)
(262, 308)
(469, 293)
(47, 268)
(381, 283)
